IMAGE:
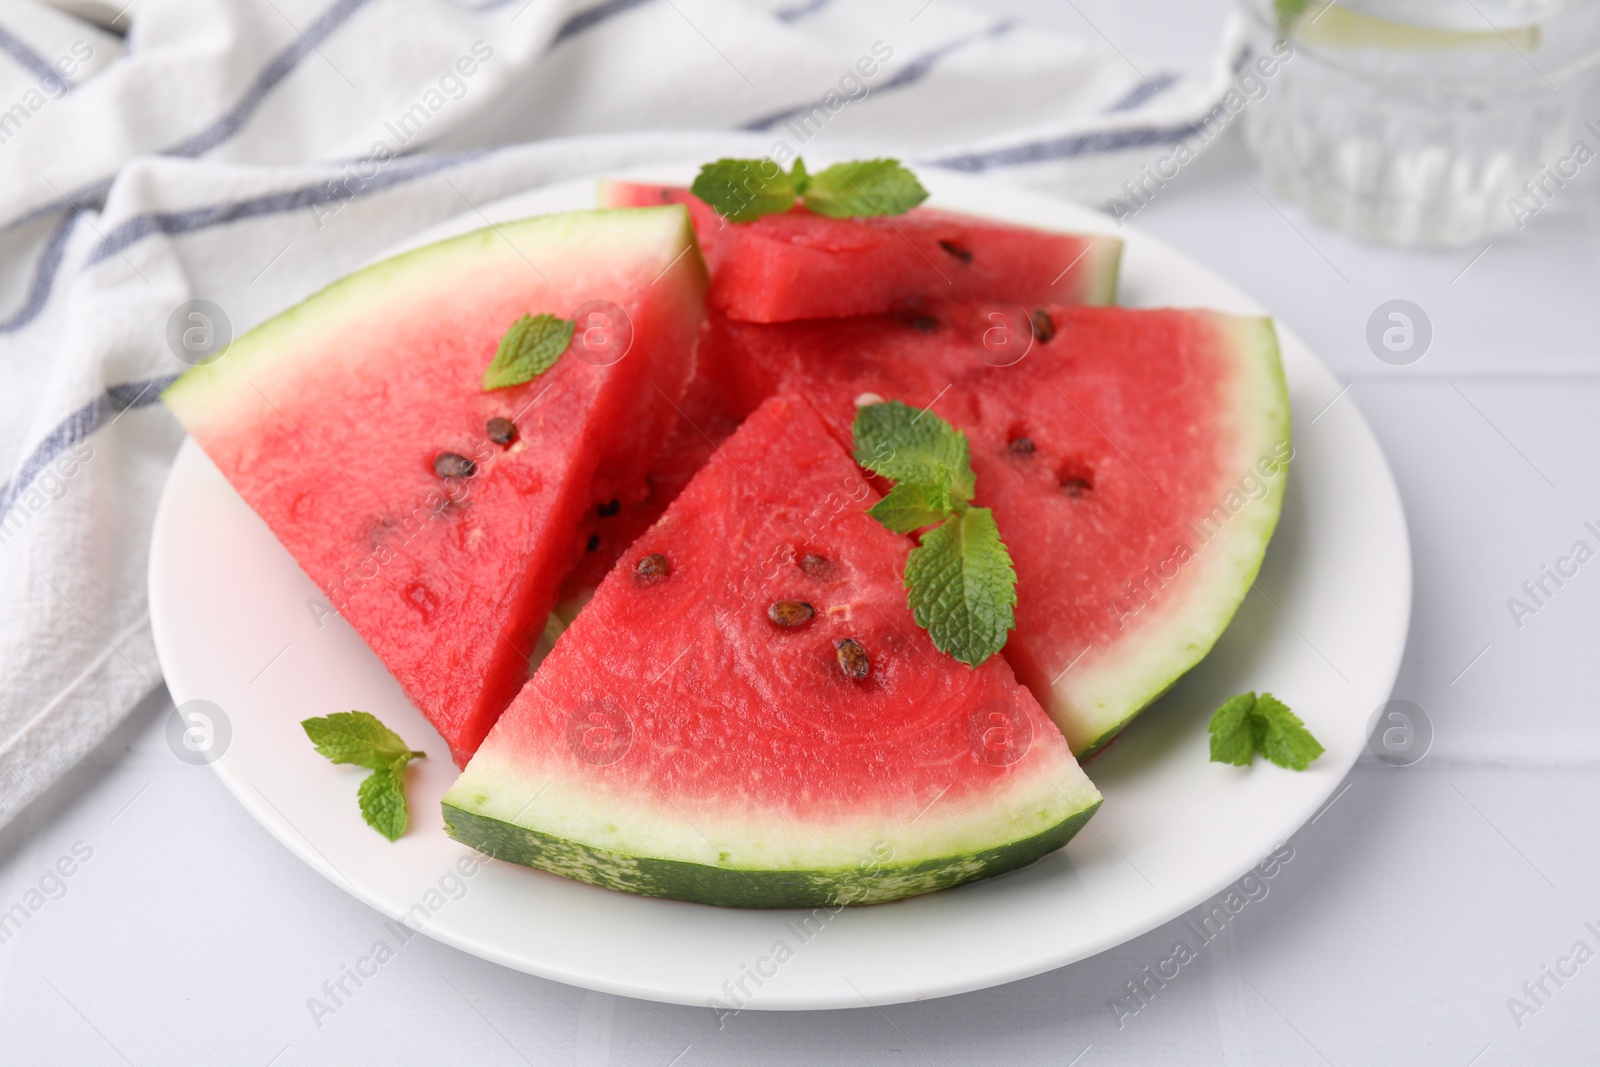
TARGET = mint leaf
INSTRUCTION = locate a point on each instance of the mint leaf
(960, 584)
(907, 445)
(962, 587)
(529, 348)
(1233, 738)
(1282, 737)
(865, 187)
(798, 177)
(383, 802)
(359, 738)
(1246, 725)
(744, 189)
(909, 506)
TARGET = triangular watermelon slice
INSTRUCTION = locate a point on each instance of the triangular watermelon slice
(437, 516)
(798, 265)
(746, 715)
(1135, 462)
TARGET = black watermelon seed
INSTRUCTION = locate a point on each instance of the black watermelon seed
(1022, 446)
(961, 253)
(453, 465)
(594, 542)
(790, 614)
(1044, 327)
(609, 508)
(925, 323)
(652, 568)
(1075, 486)
(852, 659)
(502, 431)
(815, 565)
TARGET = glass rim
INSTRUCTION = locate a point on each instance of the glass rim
(1534, 81)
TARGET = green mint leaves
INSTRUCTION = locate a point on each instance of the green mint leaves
(383, 802)
(359, 738)
(529, 348)
(911, 507)
(745, 189)
(960, 584)
(962, 587)
(1246, 724)
(866, 187)
(907, 445)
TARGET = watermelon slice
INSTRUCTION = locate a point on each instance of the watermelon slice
(705, 418)
(1135, 462)
(357, 426)
(798, 265)
(706, 730)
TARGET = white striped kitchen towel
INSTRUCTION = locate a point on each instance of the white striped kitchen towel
(250, 151)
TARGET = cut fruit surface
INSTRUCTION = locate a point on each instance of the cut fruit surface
(746, 715)
(703, 419)
(1135, 462)
(797, 265)
(357, 426)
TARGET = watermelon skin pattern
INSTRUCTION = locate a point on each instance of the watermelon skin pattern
(679, 742)
(863, 883)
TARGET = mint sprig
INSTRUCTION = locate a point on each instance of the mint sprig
(358, 738)
(742, 190)
(907, 445)
(909, 507)
(960, 584)
(1246, 725)
(529, 348)
(962, 588)
(864, 188)
(383, 801)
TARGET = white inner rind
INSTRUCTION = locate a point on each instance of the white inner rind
(1110, 684)
(1101, 271)
(553, 797)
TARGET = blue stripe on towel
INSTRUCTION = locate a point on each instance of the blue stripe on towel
(76, 428)
(910, 74)
(37, 65)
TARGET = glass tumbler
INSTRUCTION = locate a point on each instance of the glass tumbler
(1425, 122)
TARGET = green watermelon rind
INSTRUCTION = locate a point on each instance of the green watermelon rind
(206, 394)
(543, 809)
(1094, 703)
(735, 887)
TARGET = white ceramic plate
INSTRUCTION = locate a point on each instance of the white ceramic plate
(1325, 628)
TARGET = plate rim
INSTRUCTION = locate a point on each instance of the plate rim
(814, 998)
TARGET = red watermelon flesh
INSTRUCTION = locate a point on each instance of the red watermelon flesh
(331, 419)
(797, 265)
(679, 742)
(1134, 460)
(708, 225)
(703, 419)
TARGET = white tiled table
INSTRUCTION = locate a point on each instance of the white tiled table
(1414, 907)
